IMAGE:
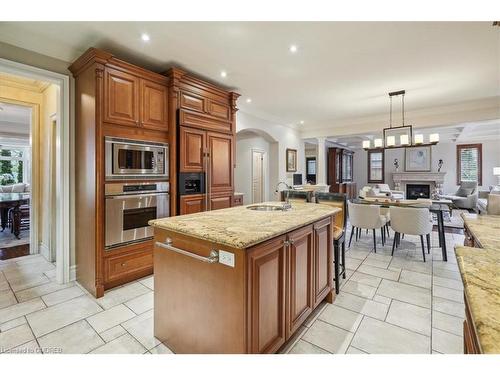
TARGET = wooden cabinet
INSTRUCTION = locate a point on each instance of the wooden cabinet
(191, 204)
(220, 162)
(469, 239)
(220, 201)
(323, 260)
(266, 296)
(191, 151)
(300, 278)
(471, 342)
(128, 265)
(121, 92)
(220, 110)
(340, 171)
(153, 105)
(192, 102)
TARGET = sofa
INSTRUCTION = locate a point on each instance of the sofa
(381, 191)
(15, 188)
(484, 198)
(466, 196)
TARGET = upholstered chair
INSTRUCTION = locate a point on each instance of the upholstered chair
(466, 196)
(493, 204)
(339, 201)
(363, 216)
(411, 221)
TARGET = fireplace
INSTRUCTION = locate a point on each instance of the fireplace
(414, 191)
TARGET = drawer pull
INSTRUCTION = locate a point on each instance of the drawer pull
(212, 258)
(123, 264)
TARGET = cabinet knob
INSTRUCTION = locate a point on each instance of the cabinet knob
(123, 264)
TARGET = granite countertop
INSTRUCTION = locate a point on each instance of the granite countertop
(480, 269)
(484, 228)
(239, 227)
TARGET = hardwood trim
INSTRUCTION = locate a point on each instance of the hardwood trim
(374, 151)
(479, 146)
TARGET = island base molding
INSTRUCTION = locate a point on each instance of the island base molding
(255, 306)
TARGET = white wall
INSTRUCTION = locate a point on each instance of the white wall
(243, 171)
(284, 137)
(446, 151)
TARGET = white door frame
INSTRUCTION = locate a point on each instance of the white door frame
(62, 159)
(263, 152)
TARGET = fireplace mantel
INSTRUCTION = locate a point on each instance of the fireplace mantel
(435, 179)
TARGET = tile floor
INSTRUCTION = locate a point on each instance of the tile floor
(387, 305)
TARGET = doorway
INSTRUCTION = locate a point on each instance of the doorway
(311, 170)
(258, 176)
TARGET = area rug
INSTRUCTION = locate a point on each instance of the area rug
(452, 221)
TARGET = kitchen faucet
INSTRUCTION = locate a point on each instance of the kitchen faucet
(286, 205)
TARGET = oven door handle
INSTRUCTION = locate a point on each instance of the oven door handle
(135, 196)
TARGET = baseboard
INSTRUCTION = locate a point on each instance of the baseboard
(72, 273)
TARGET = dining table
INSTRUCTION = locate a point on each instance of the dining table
(438, 207)
(12, 201)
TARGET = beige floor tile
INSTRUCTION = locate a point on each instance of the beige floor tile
(376, 263)
(412, 265)
(161, 349)
(148, 282)
(112, 333)
(76, 338)
(353, 350)
(447, 274)
(142, 303)
(122, 294)
(422, 280)
(38, 291)
(448, 307)
(447, 323)
(446, 343)
(63, 314)
(29, 281)
(304, 347)
(382, 299)
(357, 254)
(31, 347)
(352, 263)
(362, 305)
(4, 285)
(7, 298)
(374, 336)
(379, 272)
(141, 327)
(15, 337)
(12, 323)
(447, 293)
(28, 270)
(62, 295)
(359, 289)
(124, 344)
(405, 293)
(16, 311)
(365, 279)
(448, 283)
(340, 317)
(414, 318)
(328, 337)
(315, 314)
(109, 318)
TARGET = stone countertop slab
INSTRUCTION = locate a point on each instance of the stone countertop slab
(240, 228)
(484, 228)
(480, 270)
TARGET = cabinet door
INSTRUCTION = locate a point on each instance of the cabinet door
(192, 102)
(323, 260)
(220, 201)
(153, 105)
(300, 277)
(191, 149)
(220, 168)
(191, 204)
(218, 109)
(266, 296)
(121, 91)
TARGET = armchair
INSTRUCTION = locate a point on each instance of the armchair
(466, 195)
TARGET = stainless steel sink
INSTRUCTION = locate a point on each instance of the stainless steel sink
(265, 207)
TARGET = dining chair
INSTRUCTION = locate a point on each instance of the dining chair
(411, 221)
(338, 231)
(364, 216)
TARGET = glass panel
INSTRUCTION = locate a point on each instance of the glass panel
(138, 217)
(311, 167)
(375, 167)
(469, 165)
(11, 166)
(134, 159)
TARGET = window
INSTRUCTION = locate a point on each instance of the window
(375, 166)
(469, 163)
(311, 170)
(12, 166)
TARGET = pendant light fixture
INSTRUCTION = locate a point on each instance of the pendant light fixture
(400, 136)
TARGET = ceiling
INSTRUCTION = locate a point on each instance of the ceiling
(341, 71)
(14, 121)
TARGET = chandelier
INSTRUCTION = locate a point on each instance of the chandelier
(400, 136)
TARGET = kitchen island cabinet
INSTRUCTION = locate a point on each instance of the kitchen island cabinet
(239, 280)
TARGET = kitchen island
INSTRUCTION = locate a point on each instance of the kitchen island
(240, 280)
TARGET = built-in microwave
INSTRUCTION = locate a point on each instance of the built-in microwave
(133, 159)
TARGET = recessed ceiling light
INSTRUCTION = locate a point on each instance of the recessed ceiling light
(145, 37)
(249, 100)
(223, 74)
(301, 122)
(293, 48)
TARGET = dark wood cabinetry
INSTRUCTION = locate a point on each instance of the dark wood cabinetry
(118, 99)
(471, 342)
(340, 171)
(191, 204)
(192, 145)
(220, 162)
(323, 261)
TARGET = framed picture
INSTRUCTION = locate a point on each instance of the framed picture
(291, 160)
(418, 159)
(397, 132)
